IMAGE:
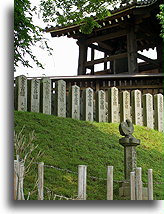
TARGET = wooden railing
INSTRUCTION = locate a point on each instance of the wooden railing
(146, 83)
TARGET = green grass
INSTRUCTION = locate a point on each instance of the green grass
(68, 143)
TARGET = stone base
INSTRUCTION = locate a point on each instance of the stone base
(124, 192)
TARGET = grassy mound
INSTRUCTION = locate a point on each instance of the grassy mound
(68, 143)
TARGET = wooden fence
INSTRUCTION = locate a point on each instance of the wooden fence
(135, 184)
(38, 95)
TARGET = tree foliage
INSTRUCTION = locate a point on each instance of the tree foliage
(161, 18)
(26, 34)
(67, 12)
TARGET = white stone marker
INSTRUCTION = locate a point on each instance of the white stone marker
(148, 111)
(34, 95)
(60, 98)
(21, 93)
(46, 95)
(125, 106)
(88, 104)
(113, 109)
(74, 102)
(136, 107)
(158, 112)
(100, 106)
(82, 182)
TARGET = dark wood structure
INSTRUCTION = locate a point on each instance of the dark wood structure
(131, 28)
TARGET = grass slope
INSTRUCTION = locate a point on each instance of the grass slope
(68, 143)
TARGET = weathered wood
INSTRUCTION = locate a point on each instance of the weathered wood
(82, 181)
(132, 51)
(110, 183)
(40, 181)
(92, 58)
(20, 195)
(106, 59)
(82, 57)
(138, 183)
(150, 184)
(106, 36)
(132, 186)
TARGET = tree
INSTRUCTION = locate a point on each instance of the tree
(67, 12)
(26, 34)
(161, 18)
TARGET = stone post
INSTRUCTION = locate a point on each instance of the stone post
(158, 112)
(34, 95)
(113, 110)
(130, 157)
(21, 93)
(74, 102)
(88, 104)
(136, 107)
(60, 98)
(100, 106)
(148, 111)
(124, 106)
(45, 98)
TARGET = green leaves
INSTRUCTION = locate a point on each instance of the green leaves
(66, 12)
(160, 16)
(26, 34)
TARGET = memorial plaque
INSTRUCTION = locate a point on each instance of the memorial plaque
(88, 104)
(34, 95)
(158, 112)
(113, 109)
(100, 106)
(148, 111)
(60, 98)
(74, 102)
(137, 118)
(125, 106)
(21, 93)
(45, 95)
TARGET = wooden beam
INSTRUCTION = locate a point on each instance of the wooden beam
(107, 36)
(103, 45)
(140, 56)
(98, 48)
(106, 59)
(132, 51)
(92, 58)
(82, 57)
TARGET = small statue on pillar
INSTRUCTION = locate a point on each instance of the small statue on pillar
(126, 129)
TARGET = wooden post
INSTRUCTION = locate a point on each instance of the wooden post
(82, 57)
(132, 186)
(110, 183)
(138, 183)
(150, 184)
(15, 179)
(92, 58)
(82, 175)
(40, 180)
(20, 173)
(132, 51)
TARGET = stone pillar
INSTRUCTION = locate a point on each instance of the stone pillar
(125, 106)
(113, 110)
(34, 95)
(74, 102)
(88, 104)
(21, 93)
(136, 107)
(45, 98)
(100, 106)
(158, 112)
(148, 111)
(60, 98)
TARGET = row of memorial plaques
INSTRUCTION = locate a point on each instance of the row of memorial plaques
(82, 107)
